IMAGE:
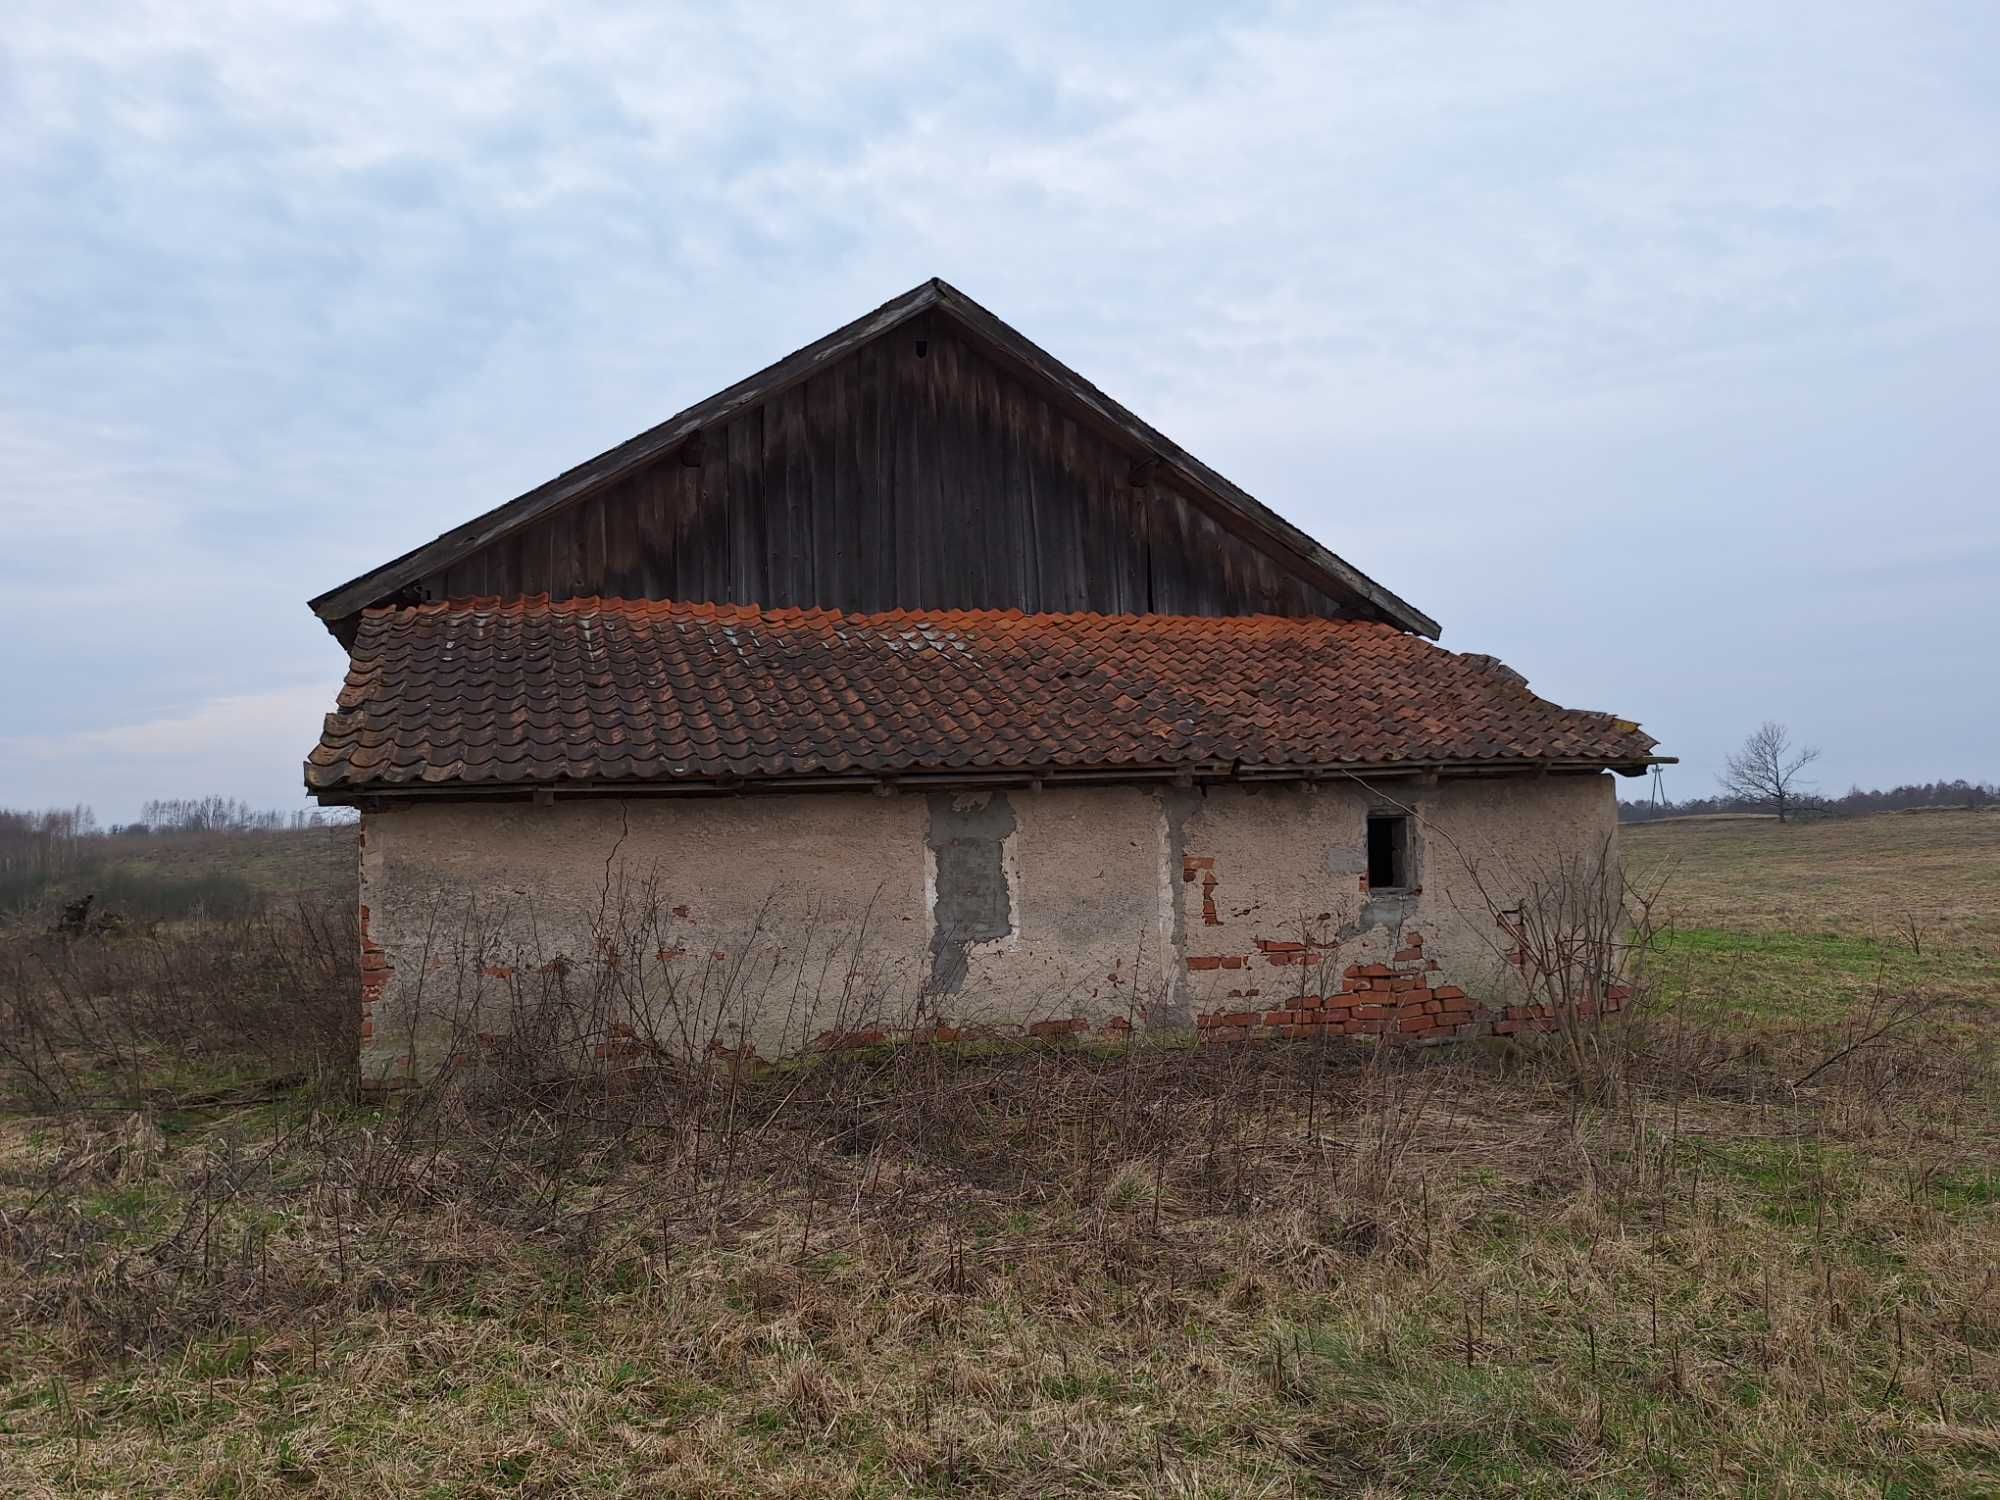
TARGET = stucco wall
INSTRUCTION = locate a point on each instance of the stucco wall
(1275, 900)
(780, 922)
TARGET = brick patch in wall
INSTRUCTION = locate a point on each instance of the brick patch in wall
(1202, 963)
(1203, 865)
(1398, 1000)
(376, 972)
(1280, 955)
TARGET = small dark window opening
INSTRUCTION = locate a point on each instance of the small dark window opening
(1388, 851)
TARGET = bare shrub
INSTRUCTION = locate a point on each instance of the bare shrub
(125, 1018)
(1573, 935)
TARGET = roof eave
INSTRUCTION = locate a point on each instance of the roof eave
(936, 778)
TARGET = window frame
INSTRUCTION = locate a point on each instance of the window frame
(1397, 853)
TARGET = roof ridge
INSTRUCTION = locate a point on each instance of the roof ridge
(520, 604)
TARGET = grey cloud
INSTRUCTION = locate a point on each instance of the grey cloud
(1648, 348)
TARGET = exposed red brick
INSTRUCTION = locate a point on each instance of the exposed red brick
(1288, 960)
(376, 972)
(745, 1053)
(1057, 1028)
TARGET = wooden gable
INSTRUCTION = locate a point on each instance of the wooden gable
(925, 457)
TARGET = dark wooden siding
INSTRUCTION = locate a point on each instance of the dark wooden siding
(894, 479)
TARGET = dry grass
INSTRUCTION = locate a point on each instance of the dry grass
(1242, 1271)
(1452, 1282)
(1809, 920)
(1844, 877)
(287, 864)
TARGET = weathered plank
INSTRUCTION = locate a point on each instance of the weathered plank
(893, 479)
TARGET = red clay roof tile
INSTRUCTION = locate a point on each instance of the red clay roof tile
(486, 693)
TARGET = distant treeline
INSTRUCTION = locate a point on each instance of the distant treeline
(43, 853)
(223, 815)
(1929, 794)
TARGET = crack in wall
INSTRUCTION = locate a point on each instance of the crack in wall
(1176, 807)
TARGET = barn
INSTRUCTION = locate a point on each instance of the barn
(914, 687)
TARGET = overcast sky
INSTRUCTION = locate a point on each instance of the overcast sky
(1649, 347)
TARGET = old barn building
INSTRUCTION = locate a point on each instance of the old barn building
(914, 682)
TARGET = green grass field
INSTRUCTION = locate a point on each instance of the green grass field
(1719, 1264)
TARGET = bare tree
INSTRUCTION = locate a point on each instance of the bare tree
(1766, 769)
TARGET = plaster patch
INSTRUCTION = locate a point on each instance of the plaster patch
(1342, 860)
(970, 879)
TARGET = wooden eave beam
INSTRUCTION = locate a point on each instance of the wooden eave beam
(886, 783)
